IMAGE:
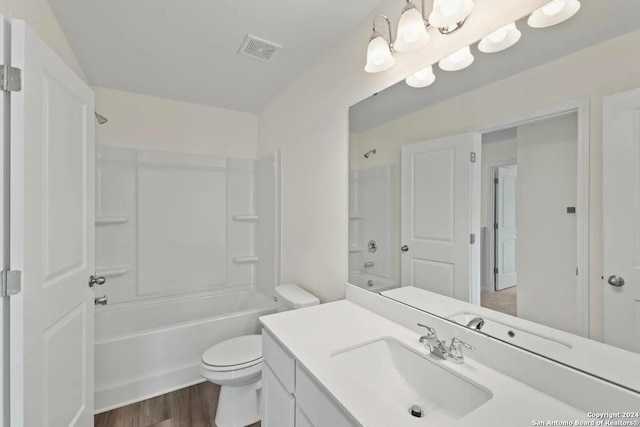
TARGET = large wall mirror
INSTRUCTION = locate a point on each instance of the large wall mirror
(512, 186)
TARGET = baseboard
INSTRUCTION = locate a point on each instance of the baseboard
(146, 388)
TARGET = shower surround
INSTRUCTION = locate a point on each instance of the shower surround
(190, 247)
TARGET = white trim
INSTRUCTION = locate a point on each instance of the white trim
(475, 203)
(5, 41)
(492, 169)
(580, 106)
(146, 388)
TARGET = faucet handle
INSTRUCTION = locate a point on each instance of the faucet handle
(429, 329)
(456, 342)
(455, 350)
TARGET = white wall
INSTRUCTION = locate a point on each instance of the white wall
(41, 19)
(150, 123)
(308, 120)
(546, 248)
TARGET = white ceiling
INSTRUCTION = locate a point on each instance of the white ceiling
(187, 50)
(597, 21)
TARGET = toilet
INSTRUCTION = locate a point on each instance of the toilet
(236, 365)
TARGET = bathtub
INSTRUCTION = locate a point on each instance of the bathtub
(371, 282)
(147, 349)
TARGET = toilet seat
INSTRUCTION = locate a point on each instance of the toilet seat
(233, 354)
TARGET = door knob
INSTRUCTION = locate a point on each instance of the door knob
(96, 280)
(404, 248)
(616, 281)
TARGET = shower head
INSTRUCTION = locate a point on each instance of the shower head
(368, 153)
(101, 119)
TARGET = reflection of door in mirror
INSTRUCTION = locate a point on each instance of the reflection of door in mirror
(440, 221)
(505, 217)
(621, 190)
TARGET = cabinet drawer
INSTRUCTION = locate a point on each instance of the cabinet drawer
(319, 409)
(279, 360)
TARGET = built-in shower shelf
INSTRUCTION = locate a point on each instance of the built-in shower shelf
(245, 260)
(245, 218)
(104, 220)
(353, 249)
(113, 271)
(355, 216)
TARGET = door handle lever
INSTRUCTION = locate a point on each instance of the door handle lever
(96, 280)
(615, 281)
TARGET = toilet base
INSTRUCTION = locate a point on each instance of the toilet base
(239, 406)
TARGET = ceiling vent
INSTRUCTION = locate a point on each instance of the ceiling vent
(258, 48)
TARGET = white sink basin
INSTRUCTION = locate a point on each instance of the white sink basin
(402, 377)
(517, 336)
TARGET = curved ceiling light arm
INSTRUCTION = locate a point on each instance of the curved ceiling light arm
(377, 33)
(452, 29)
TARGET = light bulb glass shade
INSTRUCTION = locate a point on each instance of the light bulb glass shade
(379, 56)
(501, 39)
(553, 13)
(412, 32)
(422, 78)
(554, 7)
(458, 60)
(447, 13)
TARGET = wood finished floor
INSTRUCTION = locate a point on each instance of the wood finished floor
(193, 406)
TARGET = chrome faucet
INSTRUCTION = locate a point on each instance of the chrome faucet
(439, 348)
(476, 323)
(431, 341)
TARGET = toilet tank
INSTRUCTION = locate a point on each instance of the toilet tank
(291, 297)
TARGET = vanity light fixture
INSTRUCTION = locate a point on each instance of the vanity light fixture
(500, 40)
(422, 78)
(457, 60)
(447, 15)
(379, 57)
(412, 29)
(553, 13)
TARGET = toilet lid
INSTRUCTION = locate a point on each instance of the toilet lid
(235, 352)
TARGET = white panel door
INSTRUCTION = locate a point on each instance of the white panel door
(621, 201)
(440, 211)
(52, 238)
(507, 231)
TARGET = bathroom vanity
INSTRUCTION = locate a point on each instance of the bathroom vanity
(360, 362)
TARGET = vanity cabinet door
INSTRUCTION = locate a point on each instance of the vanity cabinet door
(301, 419)
(319, 408)
(278, 405)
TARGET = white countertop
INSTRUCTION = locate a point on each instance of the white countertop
(584, 354)
(313, 334)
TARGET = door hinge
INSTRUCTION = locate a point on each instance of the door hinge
(472, 238)
(495, 180)
(473, 157)
(495, 270)
(10, 282)
(10, 78)
(495, 225)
